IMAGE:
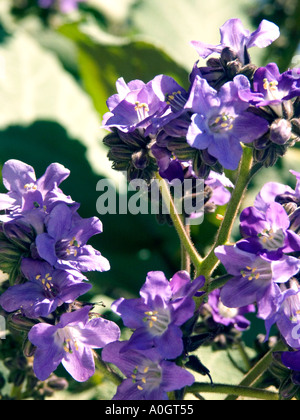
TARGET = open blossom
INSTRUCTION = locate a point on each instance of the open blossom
(70, 342)
(26, 193)
(159, 313)
(270, 88)
(137, 104)
(228, 316)
(149, 376)
(239, 39)
(221, 122)
(268, 231)
(287, 315)
(45, 290)
(255, 278)
(64, 244)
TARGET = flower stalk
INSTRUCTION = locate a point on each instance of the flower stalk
(242, 391)
(179, 225)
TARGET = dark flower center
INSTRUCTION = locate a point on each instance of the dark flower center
(176, 100)
(50, 290)
(66, 249)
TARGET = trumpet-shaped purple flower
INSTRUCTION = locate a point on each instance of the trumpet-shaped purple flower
(228, 316)
(268, 232)
(64, 244)
(137, 104)
(255, 278)
(221, 121)
(46, 289)
(149, 377)
(239, 39)
(70, 342)
(26, 193)
(160, 311)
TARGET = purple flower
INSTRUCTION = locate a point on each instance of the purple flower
(287, 315)
(26, 193)
(220, 121)
(149, 377)
(271, 191)
(219, 184)
(64, 244)
(46, 289)
(228, 316)
(137, 104)
(70, 342)
(255, 278)
(169, 168)
(239, 39)
(267, 232)
(291, 359)
(65, 6)
(273, 87)
(159, 313)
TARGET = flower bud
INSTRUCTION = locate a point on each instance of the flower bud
(19, 323)
(57, 384)
(280, 131)
(296, 126)
(28, 348)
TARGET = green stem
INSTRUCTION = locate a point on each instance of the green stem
(106, 371)
(219, 282)
(242, 391)
(211, 261)
(254, 375)
(179, 225)
(185, 257)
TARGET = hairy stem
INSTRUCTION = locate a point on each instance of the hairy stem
(179, 224)
(242, 391)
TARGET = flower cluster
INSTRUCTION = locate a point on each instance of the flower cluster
(161, 126)
(265, 264)
(45, 253)
(147, 359)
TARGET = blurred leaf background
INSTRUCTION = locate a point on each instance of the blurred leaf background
(56, 72)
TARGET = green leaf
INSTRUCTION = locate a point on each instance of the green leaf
(225, 366)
